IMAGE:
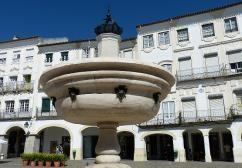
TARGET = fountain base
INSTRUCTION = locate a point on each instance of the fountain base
(109, 165)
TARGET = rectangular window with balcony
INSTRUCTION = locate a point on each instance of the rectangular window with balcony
(230, 25)
(216, 106)
(239, 103)
(2, 61)
(148, 41)
(235, 61)
(9, 106)
(189, 109)
(211, 63)
(85, 52)
(45, 105)
(64, 56)
(185, 67)
(208, 30)
(49, 57)
(168, 109)
(182, 35)
(24, 105)
(164, 38)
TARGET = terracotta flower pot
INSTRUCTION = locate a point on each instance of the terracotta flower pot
(40, 163)
(48, 163)
(56, 163)
(32, 163)
(25, 162)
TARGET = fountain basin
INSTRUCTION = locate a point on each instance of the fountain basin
(96, 80)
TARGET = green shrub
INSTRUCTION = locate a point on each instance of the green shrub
(26, 156)
(48, 157)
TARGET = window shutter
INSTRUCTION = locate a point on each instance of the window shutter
(189, 109)
(235, 57)
(216, 106)
(45, 105)
(212, 63)
(185, 67)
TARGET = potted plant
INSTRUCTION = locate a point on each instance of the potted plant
(33, 160)
(25, 158)
(63, 159)
(40, 159)
(48, 159)
(57, 159)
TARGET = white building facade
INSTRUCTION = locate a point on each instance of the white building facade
(199, 120)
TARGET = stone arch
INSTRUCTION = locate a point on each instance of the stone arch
(53, 137)
(159, 146)
(194, 144)
(14, 125)
(127, 144)
(221, 144)
(145, 134)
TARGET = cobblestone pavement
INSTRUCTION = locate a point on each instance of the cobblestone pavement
(15, 163)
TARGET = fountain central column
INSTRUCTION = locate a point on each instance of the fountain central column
(107, 147)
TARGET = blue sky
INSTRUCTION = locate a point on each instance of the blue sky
(76, 19)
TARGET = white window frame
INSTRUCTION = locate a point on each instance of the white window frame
(9, 106)
(150, 41)
(24, 105)
(206, 33)
(231, 30)
(166, 39)
(182, 38)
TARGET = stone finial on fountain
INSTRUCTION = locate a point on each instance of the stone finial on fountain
(109, 26)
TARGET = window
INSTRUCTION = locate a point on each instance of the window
(189, 108)
(185, 67)
(29, 58)
(13, 79)
(16, 58)
(2, 61)
(85, 52)
(168, 109)
(24, 105)
(128, 54)
(45, 105)
(148, 41)
(208, 30)
(1, 81)
(230, 25)
(96, 52)
(235, 61)
(239, 102)
(64, 56)
(216, 106)
(164, 38)
(211, 61)
(182, 35)
(49, 57)
(9, 106)
(27, 78)
(168, 67)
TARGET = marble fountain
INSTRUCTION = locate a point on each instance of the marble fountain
(107, 91)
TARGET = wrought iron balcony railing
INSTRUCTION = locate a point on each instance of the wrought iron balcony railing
(41, 112)
(16, 113)
(206, 72)
(194, 116)
(16, 87)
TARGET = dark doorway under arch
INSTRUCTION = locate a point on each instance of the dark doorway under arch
(126, 142)
(16, 142)
(159, 147)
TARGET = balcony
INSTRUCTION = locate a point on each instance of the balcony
(16, 114)
(206, 72)
(46, 113)
(186, 117)
(16, 87)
